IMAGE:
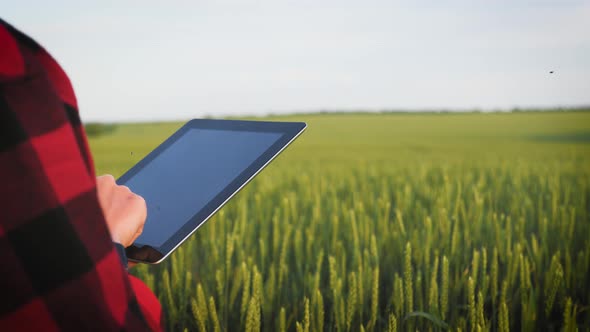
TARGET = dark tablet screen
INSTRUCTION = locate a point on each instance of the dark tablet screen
(185, 177)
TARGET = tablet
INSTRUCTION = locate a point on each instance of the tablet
(190, 176)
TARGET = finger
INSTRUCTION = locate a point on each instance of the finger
(143, 206)
(105, 184)
(106, 177)
(138, 231)
(137, 234)
(105, 180)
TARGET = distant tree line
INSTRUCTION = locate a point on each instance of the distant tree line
(95, 129)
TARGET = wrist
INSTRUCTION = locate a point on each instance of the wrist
(121, 253)
(116, 239)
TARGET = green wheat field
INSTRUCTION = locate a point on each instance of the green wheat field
(389, 222)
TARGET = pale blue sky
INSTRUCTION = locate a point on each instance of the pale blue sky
(153, 60)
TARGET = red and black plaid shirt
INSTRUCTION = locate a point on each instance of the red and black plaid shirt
(58, 267)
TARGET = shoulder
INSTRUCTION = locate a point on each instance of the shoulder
(18, 58)
(22, 56)
(12, 62)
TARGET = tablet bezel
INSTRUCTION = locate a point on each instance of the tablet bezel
(140, 252)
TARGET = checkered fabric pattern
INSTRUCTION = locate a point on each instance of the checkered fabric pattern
(59, 268)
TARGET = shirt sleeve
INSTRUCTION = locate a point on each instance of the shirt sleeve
(60, 268)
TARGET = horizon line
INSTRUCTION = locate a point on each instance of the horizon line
(425, 111)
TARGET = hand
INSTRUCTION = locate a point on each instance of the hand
(124, 211)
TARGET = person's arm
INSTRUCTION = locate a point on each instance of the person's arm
(60, 269)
